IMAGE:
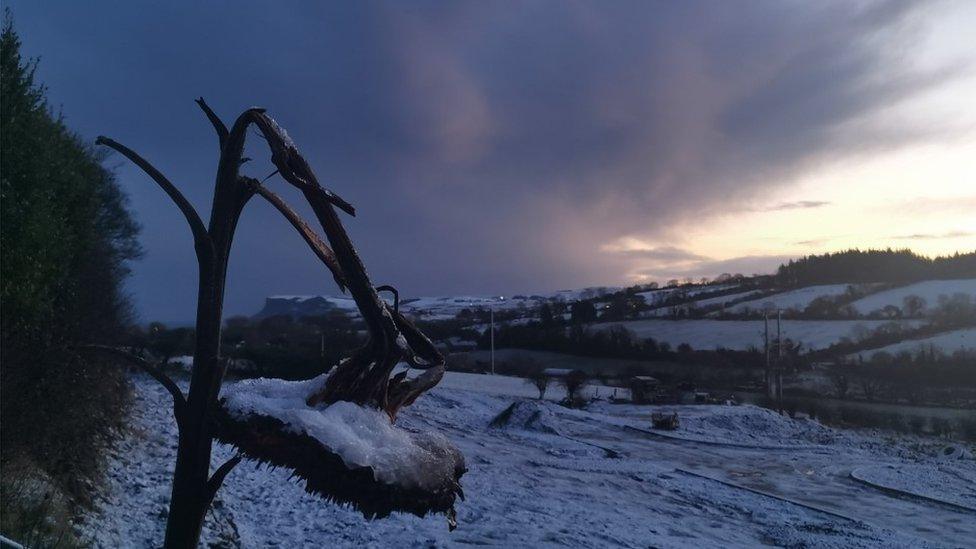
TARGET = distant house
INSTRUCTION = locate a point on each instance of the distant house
(642, 388)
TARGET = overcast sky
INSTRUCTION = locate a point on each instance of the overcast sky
(506, 147)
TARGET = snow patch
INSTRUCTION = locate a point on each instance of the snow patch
(360, 436)
(528, 415)
(949, 483)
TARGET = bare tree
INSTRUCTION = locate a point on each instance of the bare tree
(540, 381)
(913, 305)
(870, 384)
(574, 382)
(364, 378)
(841, 383)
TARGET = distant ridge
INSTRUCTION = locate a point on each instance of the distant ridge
(430, 308)
(305, 305)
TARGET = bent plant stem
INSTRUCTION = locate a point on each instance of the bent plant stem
(192, 487)
(363, 378)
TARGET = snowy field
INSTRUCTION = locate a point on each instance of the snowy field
(729, 477)
(929, 290)
(654, 297)
(723, 299)
(947, 342)
(700, 304)
(743, 334)
(794, 299)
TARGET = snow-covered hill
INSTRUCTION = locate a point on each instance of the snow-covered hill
(702, 334)
(929, 290)
(656, 297)
(743, 334)
(428, 308)
(729, 477)
(796, 300)
(447, 307)
(946, 342)
(700, 303)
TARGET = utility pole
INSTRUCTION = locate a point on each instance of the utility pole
(492, 309)
(779, 361)
(779, 337)
(769, 387)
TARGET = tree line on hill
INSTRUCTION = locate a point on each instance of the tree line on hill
(860, 266)
(618, 342)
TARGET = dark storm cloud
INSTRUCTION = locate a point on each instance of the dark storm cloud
(489, 147)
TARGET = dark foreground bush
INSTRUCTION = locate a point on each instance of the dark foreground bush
(65, 237)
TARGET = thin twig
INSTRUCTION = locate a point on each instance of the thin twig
(179, 401)
(269, 176)
(218, 124)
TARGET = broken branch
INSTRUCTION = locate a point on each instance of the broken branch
(392, 290)
(402, 392)
(420, 345)
(321, 250)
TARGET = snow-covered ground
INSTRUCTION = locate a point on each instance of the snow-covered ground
(945, 482)
(743, 334)
(729, 477)
(947, 342)
(797, 299)
(929, 290)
